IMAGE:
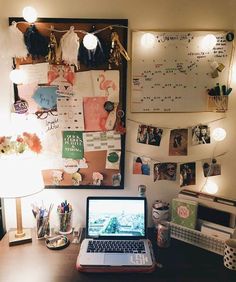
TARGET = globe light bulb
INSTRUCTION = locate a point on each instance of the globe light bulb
(219, 134)
(90, 41)
(148, 40)
(17, 76)
(30, 14)
(211, 187)
(208, 42)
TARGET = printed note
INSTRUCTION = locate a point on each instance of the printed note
(95, 115)
(35, 73)
(70, 113)
(72, 145)
(99, 141)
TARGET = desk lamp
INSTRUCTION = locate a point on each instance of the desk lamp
(19, 177)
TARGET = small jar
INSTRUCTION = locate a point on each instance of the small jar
(163, 234)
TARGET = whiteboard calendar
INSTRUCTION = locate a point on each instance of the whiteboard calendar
(172, 71)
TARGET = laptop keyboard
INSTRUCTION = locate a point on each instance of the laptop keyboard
(115, 246)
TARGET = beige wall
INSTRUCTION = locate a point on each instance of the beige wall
(150, 14)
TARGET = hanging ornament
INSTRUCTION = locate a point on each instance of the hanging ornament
(15, 46)
(36, 43)
(116, 51)
(120, 125)
(69, 47)
(52, 48)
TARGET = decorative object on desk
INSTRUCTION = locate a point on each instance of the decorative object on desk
(184, 212)
(163, 234)
(160, 211)
(65, 218)
(20, 177)
(57, 243)
(42, 216)
(230, 254)
(77, 234)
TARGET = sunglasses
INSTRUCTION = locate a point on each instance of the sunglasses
(171, 168)
(43, 114)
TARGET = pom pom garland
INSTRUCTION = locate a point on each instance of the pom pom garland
(37, 44)
(15, 46)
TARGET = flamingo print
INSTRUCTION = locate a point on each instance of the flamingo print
(105, 84)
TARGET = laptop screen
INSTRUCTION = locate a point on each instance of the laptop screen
(116, 217)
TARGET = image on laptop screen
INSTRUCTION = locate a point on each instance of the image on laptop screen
(116, 217)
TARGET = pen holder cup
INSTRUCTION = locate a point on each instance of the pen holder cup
(42, 227)
(163, 234)
(65, 222)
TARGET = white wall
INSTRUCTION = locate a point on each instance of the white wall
(150, 14)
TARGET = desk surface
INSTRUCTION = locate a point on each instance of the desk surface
(34, 262)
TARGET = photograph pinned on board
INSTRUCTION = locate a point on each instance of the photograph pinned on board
(201, 135)
(178, 144)
(187, 174)
(165, 171)
(211, 167)
(149, 135)
(141, 165)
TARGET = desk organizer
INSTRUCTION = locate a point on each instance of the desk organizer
(197, 238)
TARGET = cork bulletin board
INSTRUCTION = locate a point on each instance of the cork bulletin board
(79, 106)
(174, 73)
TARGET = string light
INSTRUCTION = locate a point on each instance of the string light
(211, 187)
(218, 134)
(148, 40)
(17, 76)
(208, 42)
(30, 14)
(90, 41)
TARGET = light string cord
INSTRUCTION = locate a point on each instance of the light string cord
(159, 161)
(231, 64)
(75, 30)
(209, 122)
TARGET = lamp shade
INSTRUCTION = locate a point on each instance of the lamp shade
(19, 177)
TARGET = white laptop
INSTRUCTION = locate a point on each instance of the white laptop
(116, 232)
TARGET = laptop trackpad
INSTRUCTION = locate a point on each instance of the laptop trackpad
(116, 259)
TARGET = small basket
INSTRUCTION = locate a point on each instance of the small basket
(197, 238)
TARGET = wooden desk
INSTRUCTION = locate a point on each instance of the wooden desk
(34, 262)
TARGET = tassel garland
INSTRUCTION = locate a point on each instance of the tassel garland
(69, 47)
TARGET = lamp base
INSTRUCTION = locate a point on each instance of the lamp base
(16, 240)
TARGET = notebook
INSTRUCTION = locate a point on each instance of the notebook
(116, 233)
